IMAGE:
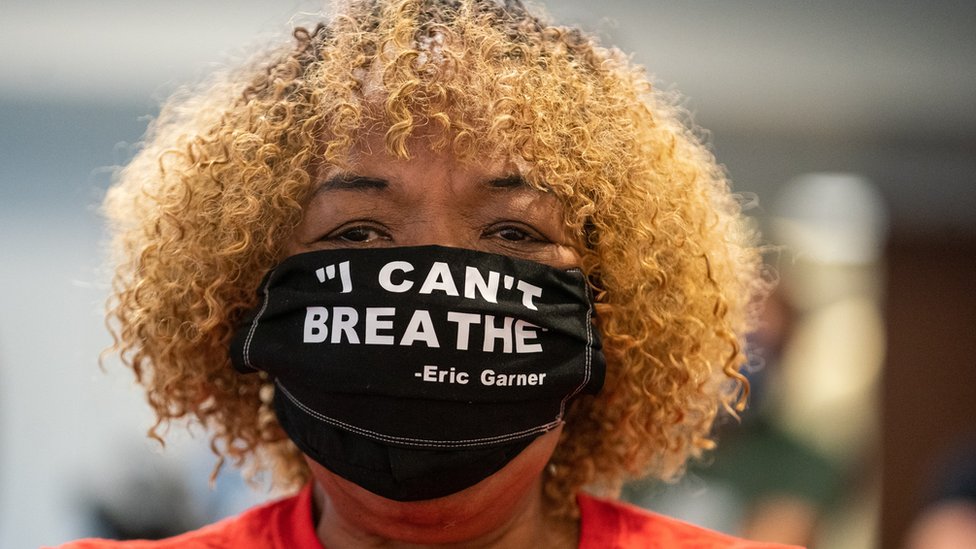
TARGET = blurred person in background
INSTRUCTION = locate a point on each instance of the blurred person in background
(949, 519)
(761, 482)
(439, 266)
(802, 467)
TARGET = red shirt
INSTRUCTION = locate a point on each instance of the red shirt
(288, 524)
(608, 524)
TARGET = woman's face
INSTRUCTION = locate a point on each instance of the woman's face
(432, 199)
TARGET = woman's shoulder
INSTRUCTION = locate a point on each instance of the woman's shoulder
(606, 523)
(284, 523)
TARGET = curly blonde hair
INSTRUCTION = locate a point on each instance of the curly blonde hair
(203, 211)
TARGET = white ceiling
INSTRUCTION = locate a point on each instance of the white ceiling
(827, 67)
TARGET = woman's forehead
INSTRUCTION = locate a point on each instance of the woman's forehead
(374, 176)
(371, 157)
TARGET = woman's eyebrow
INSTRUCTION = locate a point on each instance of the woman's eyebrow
(351, 182)
(507, 182)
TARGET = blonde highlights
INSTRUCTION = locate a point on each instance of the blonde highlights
(204, 209)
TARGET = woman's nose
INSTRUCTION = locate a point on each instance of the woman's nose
(439, 221)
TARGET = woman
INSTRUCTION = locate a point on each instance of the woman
(444, 265)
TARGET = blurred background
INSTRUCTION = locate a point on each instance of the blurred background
(850, 131)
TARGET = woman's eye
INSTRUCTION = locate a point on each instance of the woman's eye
(359, 234)
(515, 233)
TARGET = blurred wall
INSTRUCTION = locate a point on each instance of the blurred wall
(930, 386)
(60, 417)
(72, 434)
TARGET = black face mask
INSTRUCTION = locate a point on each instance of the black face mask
(418, 372)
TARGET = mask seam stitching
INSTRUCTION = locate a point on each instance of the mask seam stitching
(254, 323)
(589, 351)
(417, 441)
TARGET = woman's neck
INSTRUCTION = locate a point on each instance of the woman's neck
(520, 522)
